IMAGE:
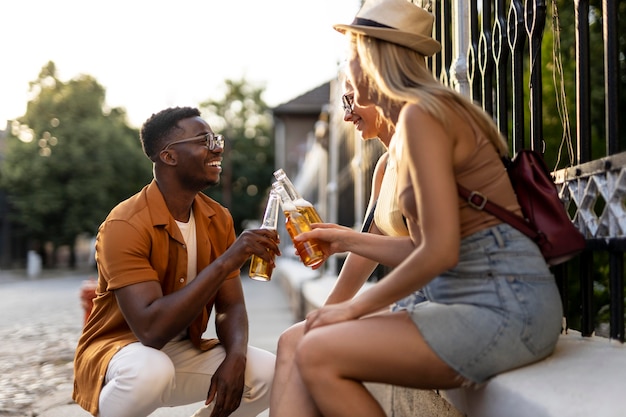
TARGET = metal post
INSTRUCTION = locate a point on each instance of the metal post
(458, 69)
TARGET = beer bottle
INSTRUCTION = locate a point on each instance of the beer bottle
(296, 223)
(260, 269)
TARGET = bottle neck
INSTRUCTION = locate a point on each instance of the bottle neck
(287, 184)
(270, 217)
(291, 190)
(285, 199)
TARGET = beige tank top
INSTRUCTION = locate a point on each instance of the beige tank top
(387, 214)
(481, 171)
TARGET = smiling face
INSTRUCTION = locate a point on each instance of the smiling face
(196, 166)
(365, 119)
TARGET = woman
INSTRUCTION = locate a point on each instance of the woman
(387, 218)
(492, 302)
(289, 396)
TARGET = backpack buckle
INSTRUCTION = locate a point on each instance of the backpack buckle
(477, 200)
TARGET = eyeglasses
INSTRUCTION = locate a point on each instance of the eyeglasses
(211, 140)
(347, 102)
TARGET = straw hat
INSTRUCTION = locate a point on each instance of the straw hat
(396, 21)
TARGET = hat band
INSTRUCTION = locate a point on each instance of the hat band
(367, 22)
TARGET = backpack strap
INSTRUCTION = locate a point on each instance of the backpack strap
(369, 219)
(478, 201)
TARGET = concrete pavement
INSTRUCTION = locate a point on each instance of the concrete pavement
(46, 311)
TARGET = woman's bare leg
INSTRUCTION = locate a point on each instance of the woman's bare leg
(289, 396)
(386, 348)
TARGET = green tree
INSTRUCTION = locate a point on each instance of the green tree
(69, 160)
(246, 121)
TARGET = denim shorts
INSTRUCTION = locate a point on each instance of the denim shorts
(497, 310)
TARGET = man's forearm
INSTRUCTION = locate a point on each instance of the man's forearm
(232, 330)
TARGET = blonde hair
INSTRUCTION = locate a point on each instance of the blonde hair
(399, 75)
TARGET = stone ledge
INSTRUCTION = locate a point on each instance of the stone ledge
(292, 275)
(405, 402)
(583, 377)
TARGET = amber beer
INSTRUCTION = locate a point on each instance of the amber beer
(308, 211)
(260, 269)
(297, 223)
(309, 250)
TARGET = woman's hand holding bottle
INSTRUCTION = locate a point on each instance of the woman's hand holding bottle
(331, 238)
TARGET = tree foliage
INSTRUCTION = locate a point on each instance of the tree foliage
(69, 160)
(246, 121)
(559, 83)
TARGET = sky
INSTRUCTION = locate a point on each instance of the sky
(149, 55)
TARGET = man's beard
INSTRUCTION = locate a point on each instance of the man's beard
(211, 184)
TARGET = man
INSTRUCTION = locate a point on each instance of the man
(166, 257)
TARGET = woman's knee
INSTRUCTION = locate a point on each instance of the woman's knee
(288, 341)
(311, 354)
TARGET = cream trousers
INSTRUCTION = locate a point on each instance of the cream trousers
(141, 379)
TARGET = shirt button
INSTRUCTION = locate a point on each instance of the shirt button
(182, 280)
(184, 246)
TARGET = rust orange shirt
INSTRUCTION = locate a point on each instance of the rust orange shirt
(139, 241)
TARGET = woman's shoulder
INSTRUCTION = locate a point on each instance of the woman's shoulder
(412, 110)
(417, 119)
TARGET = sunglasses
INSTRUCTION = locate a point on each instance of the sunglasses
(347, 102)
(211, 141)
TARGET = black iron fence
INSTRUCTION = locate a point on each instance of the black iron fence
(495, 51)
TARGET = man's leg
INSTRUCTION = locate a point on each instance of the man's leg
(138, 381)
(194, 370)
